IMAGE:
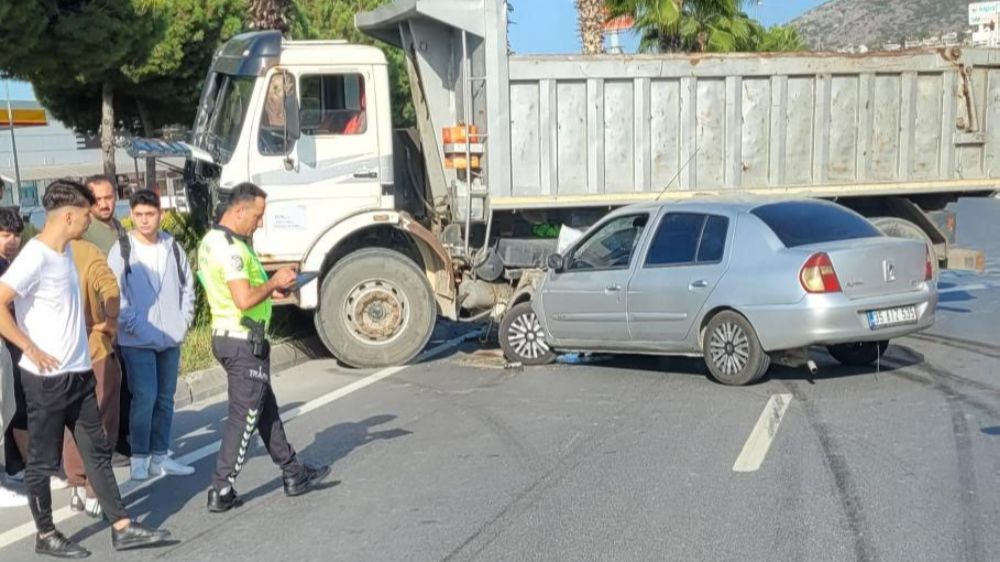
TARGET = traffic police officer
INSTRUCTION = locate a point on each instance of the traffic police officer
(239, 295)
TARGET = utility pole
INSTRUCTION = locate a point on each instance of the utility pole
(16, 193)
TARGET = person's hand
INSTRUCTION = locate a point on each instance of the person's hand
(283, 279)
(44, 361)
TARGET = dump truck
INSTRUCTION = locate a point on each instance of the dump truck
(456, 217)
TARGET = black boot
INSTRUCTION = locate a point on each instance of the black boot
(59, 546)
(306, 479)
(136, 535)
(219, 503)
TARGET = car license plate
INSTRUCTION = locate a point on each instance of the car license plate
(892, 317)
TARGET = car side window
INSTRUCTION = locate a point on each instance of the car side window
(688, 238)
(713, 239)
(611, 246)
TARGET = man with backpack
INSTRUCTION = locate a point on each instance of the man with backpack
(157, 310)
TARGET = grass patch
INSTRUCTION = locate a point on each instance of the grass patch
(287, 323)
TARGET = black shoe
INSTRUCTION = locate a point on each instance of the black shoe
(136, 535)
(309, 476)
(218, 503)
(59, 546)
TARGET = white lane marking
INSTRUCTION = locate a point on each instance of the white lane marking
(759, 441)
(131, 486)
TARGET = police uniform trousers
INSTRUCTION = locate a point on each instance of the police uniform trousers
(252, 406)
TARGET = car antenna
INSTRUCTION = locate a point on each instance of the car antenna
(677, 175)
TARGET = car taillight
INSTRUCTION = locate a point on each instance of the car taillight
(818, 276)
(928, 265)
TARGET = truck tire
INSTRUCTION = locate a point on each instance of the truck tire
(376, 309)
(902, 228)
(732, 351)
(522, 339)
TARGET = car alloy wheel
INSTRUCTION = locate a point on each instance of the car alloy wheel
(729, 348)
(522, 337)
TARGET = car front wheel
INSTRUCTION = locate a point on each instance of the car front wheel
(522, 338)
(732, 351)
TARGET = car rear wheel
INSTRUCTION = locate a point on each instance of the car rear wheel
(522, 338)
(732, 351)
(858, 354)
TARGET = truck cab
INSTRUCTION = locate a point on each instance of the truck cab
(309, 122)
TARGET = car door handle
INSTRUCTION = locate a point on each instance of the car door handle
(366, 173)
(613, 288)
(699, 284)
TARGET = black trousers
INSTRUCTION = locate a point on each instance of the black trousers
(252, 406)
(66, 401)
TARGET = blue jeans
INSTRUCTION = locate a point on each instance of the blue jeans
(152, 379)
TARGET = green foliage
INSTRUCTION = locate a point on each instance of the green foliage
(717, 26)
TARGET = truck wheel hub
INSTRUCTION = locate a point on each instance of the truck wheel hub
(375, 311)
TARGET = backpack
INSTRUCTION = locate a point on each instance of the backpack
(125, 247)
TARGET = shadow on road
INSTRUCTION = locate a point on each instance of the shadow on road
(155, 504)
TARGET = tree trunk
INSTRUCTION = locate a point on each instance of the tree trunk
(108, 129)
(591, 15)
(147, 130)
(270, 14)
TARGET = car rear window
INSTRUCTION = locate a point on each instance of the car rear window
(800, 223)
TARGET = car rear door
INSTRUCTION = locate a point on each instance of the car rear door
(682, 265)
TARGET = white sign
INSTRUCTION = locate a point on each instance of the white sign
(981, 13)
(288, 217)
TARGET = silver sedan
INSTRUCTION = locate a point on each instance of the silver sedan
(733, 282)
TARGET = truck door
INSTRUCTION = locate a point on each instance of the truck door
(332, 171)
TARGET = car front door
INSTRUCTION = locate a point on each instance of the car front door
(682, 266)
(584, 304)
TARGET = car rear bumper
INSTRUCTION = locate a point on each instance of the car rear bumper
(832, 319)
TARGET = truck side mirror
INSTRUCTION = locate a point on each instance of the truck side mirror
(293, 129)
(556, 263)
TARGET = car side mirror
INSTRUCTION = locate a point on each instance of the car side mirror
(556, 263)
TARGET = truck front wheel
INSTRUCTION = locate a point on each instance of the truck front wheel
(376, 309)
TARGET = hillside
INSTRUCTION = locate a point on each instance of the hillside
(844, 23)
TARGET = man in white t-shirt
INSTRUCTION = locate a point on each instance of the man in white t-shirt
(43, 285)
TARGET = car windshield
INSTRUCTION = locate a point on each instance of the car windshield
(221, 115)
(801, 223)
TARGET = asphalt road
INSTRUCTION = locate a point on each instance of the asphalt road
(623, 459)
(631, 458)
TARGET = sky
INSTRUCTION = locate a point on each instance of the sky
(549, 27)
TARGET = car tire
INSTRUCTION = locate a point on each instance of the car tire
(522, 338)
(732, 351)
(858, 354)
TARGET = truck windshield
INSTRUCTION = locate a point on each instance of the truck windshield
(220, 119)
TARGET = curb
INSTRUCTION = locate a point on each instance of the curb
(206, 383)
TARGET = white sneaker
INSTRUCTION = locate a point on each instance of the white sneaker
(140, 468)
(56, 483)
(12, 498)
(19, 477)
(164, 465)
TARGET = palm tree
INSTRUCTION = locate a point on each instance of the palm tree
(271, 14)
(689, 25)
(591, 15)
